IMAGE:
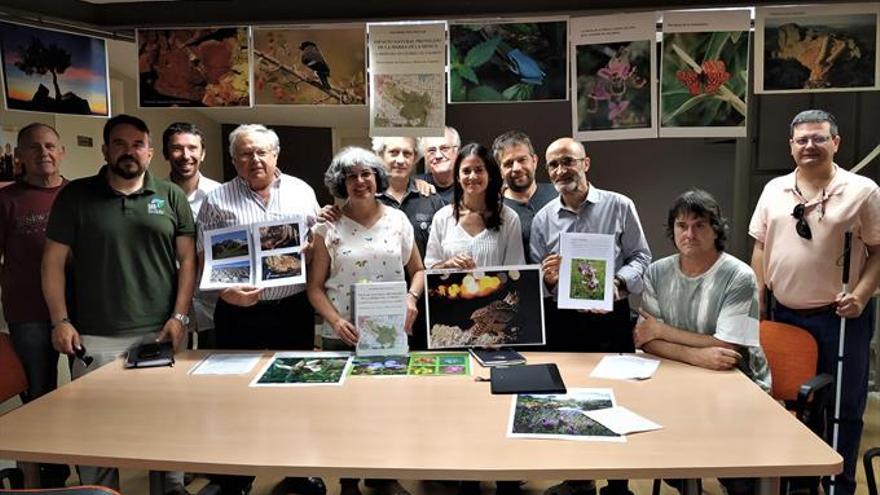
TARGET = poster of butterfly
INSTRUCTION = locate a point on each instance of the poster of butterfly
(307, 65)
(704, 73)
(614, 76)
(817, 48)
(511, 61)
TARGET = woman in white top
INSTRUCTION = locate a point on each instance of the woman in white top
(368, 243)
(476, 229)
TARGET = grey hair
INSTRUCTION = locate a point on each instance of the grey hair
(379, 144)
(510, 139)
(456, 139)
(244, 129)
(344, 161)
(815, 116)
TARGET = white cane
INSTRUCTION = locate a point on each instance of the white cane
(847, 245)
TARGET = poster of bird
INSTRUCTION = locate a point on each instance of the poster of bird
(204, 67)
(307, 65)
(514, 60)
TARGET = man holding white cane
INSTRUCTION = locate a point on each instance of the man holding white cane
(799, 226)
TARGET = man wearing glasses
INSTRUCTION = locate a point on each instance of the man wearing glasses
(798, 226)
(440, 154)
(582, 207)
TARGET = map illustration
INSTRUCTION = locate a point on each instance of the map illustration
(381, 333)
(409, 100)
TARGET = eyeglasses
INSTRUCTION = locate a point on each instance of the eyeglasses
(817, 140)
(444, 150)
(565, 161)
(251, 154)
(802, 227)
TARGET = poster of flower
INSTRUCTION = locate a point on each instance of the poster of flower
(307, 65)
(817, 48)
(203, 67)
(614, 77)
(53, 71)
(704, 75)
(514, 60)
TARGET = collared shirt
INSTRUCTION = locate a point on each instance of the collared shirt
(419, 210)
(235, 203)
(603, 212)
(203, 187)
(444, 192)
(526, 212)
(805, 273)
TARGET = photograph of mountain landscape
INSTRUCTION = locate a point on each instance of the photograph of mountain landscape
(55, 72)
(230, 245)
(235, 272)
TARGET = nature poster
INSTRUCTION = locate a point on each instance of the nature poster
(439, 364)
(292, 369)
(705, 74)
(204, 67)
(54, 72)
(613, 77)
(561, 416)
(486, 307)
(9, 166)
(588, 278)
(516, 60)
(817, 48)
(310, 66)
(380, 365)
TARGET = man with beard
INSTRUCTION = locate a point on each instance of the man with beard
(514, 152)
(440, 154)
(129, 239)
(183, 147)
(582, 207)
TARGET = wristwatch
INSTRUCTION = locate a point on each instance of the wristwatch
(182, 318)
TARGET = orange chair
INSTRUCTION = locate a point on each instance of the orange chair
(792, 354)
(12, 383)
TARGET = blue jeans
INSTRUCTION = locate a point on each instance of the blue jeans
(825, 328)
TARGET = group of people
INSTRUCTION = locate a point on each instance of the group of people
(103, 263)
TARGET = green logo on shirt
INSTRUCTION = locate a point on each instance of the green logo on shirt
(156, 206)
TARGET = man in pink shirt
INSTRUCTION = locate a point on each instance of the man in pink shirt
(798, 226)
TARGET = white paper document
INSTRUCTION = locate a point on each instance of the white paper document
(625, 368)
(380, 317)
(586, 275)
(227, 364)
(621, 420)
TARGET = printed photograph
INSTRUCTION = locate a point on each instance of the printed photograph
(9, 166)
(380, 365)
(613, 86)
(310, 66)
(279, 236)
(587, 279)
(229, 245)
(287, 370)
(409, 100)
(206, 67)
(519, 61)
(381, 332)
(560, 416)
(54, 72)
(705, 79)
(276, 266)
(484, 308)
(820, 53)
(428, 364)
(235, 272)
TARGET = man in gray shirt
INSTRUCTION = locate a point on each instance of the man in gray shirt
(700, 306)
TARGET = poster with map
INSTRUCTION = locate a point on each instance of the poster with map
(407, 78)
(380, 317)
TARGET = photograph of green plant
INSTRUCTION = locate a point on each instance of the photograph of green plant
(560, 415)
(704, 79)
(508, 62)
(613, 86)
(304, 370)
(587, 279)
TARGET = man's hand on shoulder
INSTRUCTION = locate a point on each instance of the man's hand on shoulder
(65, 338)
(715, 358)
(243, 295)
(330, 214)
(424, 188)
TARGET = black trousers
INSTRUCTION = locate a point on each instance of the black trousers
(282, 324)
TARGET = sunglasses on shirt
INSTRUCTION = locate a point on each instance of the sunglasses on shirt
(802, 227)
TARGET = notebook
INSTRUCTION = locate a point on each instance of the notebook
(527, 379)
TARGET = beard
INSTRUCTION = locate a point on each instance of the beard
(127, 167)
(512, 184)
(572, 185)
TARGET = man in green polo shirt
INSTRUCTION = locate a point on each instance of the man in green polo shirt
(130, 239)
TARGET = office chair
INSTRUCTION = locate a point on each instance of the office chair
(13, 382)
(868, 460)
(70, 490)
(792, 354)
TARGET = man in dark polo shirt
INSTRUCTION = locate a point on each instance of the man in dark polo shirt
(516, 156)
(130, 241)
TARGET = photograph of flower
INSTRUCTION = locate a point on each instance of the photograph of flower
(303, 66)
(817, 48)
(380, 365)
(304, 368)
(205, 67)
(435, 364)
(560, 416)
(54, 72)
(504, 62)
(587, 279)
(613, 86)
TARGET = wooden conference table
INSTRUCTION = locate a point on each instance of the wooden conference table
(715, 424)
